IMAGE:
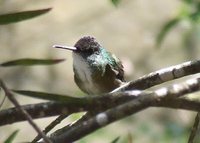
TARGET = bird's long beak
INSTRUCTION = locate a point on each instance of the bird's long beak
(65, 47)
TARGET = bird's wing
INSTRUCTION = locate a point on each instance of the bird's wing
(117, 66)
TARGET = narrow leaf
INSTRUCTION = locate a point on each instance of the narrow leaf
(165, 29)
(21, 16)
(11, 137)
(115, 2)
(50, 96)
(195, 16)
(31, 62)
(188, 1)
(115, 140)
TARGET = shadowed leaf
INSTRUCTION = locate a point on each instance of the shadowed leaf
(31, 62)
(54, 97)
(115, 140)
(195, 16)
(115, 2)
(21, 16)
(165, 29)
(11, 137)
(188, 1)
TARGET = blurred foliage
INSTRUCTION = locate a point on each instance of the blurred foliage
(31, 62)
(54, 97)
(115, 2)
(11, 138)
(115, 140)
(17, 17)
(166, 28)
(21, 16)
(189, 12)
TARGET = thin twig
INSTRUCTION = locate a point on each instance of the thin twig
(50, 126)
(28, 117)
(1, 104)
(194, 128)
(67, 128)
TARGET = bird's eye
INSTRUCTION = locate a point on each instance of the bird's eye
(89, 51)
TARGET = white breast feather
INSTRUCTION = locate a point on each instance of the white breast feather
(83, 70)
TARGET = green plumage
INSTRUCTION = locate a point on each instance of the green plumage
(103, 72)
(96, 71)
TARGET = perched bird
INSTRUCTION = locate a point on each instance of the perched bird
(96, 70)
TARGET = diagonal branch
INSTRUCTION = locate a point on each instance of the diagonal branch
(194, 128)
(43, 109)
(25, 114)
(112, 99)
(159, 97)
(12, 115)
(103, 119)
(50, 126)
(163, 75)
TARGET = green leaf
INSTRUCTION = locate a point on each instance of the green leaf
(21, 16)
(54, 97)
(188, 1)
(31, 62)
(115, 140)
(11, 137)
(195, 17)
(115, 2)
(165, 29)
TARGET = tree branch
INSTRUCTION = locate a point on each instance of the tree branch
(25, 114)
(50, 126)
(161, 96)
(52, 108)
(161, 76)
(12, 115)
(194, 129)
(112, 99)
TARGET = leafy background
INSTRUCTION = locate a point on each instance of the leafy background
(128, 29)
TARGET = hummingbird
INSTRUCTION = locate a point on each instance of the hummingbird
(96, 70)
